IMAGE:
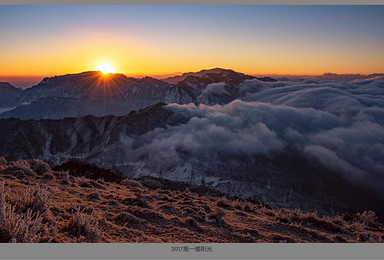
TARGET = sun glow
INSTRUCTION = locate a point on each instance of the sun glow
(105, 68)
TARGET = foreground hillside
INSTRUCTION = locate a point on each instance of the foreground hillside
(38, 204)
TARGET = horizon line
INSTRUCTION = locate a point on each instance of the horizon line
(166, 75)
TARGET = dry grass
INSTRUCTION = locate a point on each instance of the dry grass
(77, 209)
(18, 227)
(83, 224)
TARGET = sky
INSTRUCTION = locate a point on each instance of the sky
(167, 40)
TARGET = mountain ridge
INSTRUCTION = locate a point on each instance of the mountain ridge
(92, 92)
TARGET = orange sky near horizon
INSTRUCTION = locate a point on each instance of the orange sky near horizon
(135, 56)
(138, 57)
(162, 41)
(142, 59)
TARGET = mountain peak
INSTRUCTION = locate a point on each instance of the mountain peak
(6, 88)
(205, 71)
(82, 77)
(200, 74)
(6, 85)
(150, 79)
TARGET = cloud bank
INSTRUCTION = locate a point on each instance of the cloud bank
(338, 124)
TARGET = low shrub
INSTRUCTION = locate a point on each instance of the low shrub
(39, 167)
(41, 201)
(368, 218)
(79, 168)
(224, 203)
(48, 176)
(150, 183)
(20, 169)
(84, 224)
(131, 183)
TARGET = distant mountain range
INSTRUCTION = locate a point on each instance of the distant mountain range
(348, 77)
(93, 93)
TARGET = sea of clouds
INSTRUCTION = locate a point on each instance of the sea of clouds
(340, 124)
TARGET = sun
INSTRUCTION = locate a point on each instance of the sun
(106, 68)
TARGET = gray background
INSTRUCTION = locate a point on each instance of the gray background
(199, 2)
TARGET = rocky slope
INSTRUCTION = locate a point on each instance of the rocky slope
(38, 204)
(90, 93)
(93, 93)
(75, 137)
(8, 95)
